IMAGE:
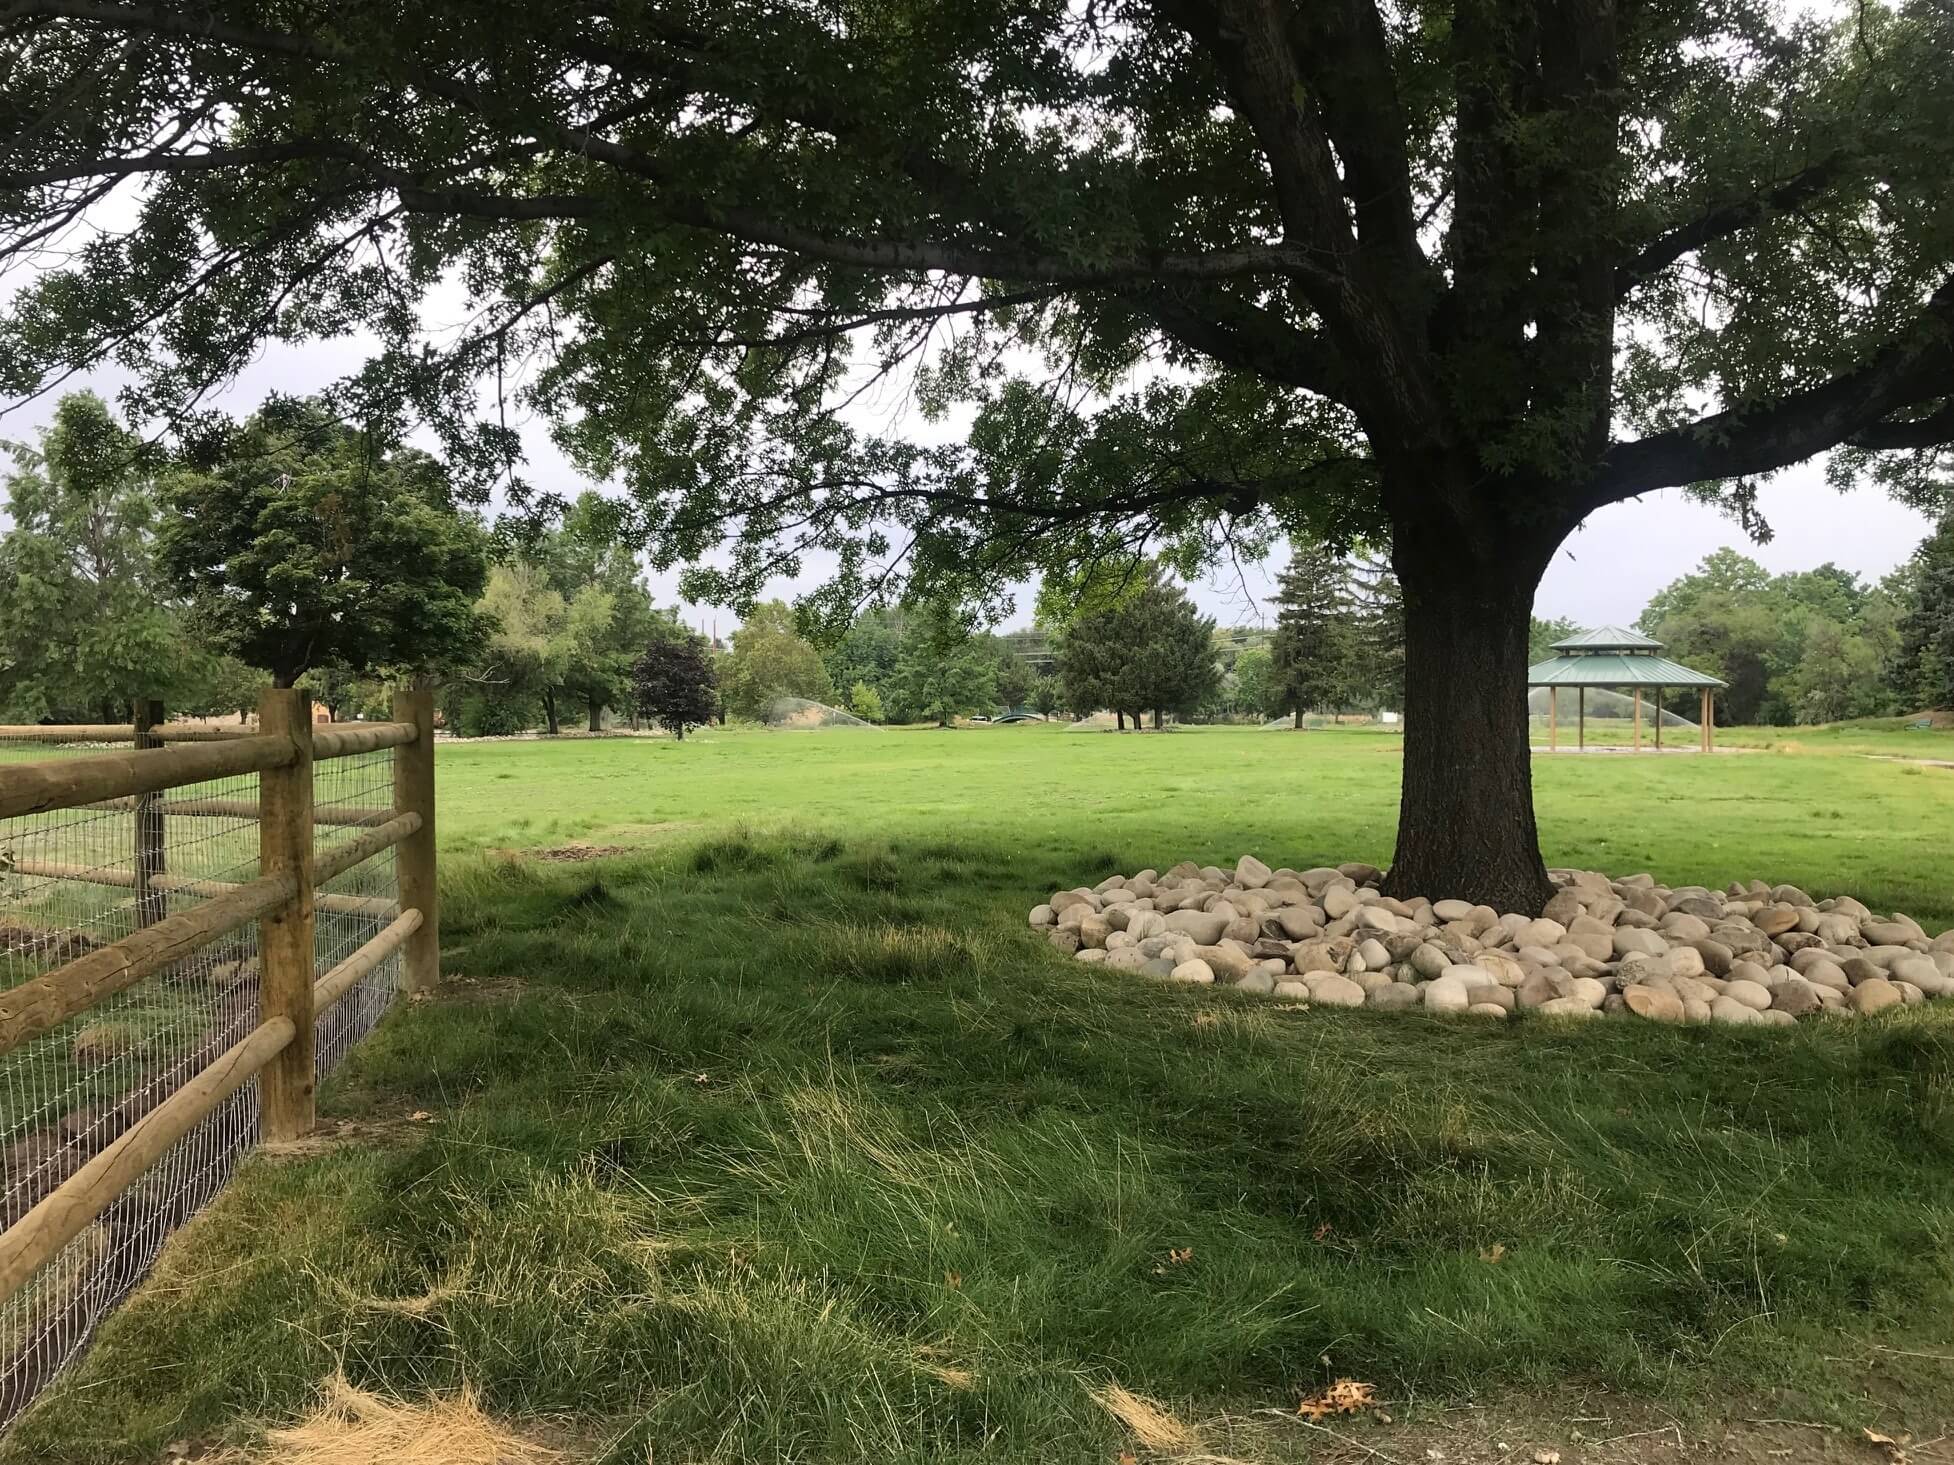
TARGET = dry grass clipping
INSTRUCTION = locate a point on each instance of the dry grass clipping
(351, 1424)
(1149, 1421)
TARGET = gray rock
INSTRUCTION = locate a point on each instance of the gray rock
(1042, 916)
(1446, 993)
(1875, 994)
(1394, 997)
(1797, 997)
(1629, 941)
(1331, 990)
(1726, 1009)
(1066, 940)
(1251, 873)
(1429, 960)
(1292, 991)
(1567, 1007)
(1652, 1003)
(1204, 926)
(1258, 982)
(1754, 995)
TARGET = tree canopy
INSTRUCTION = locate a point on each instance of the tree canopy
(673, 682)
(1202, 273)
(87, 622)
(303, 543)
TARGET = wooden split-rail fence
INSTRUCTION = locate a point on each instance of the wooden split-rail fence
(280, 902)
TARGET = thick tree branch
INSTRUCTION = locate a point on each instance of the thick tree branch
(1723, 220)
(1913, 370)
(1248, 338)
(1936, 430)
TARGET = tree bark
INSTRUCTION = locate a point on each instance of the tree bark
(596, 715)
(1465, 824)
(549, 712)
(1121, 718)
(1299, 716)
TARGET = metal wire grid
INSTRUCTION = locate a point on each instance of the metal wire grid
(69, 1092)
(362, 785)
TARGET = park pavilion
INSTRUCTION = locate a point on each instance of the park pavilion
(1619, 661)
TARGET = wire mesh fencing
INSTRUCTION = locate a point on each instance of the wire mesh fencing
(74, 880)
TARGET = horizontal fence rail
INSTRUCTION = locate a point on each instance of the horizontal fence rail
(180, 959)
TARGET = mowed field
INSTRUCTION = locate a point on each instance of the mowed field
(754, 1125)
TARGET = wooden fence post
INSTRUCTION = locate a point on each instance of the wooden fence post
(151, 904)
(414, 856)
(285, 955)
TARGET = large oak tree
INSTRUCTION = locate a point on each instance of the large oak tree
(1461, 270)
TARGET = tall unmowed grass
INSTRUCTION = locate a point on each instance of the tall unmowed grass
(783, 1143)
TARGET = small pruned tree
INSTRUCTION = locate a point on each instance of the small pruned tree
(303, 543)
(674, 683)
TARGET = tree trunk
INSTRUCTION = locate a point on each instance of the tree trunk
(596, 715)
(1121, 718)
(1465, 822)
(1156, 719)
(678, 729)
(1299, 715)
(549, 712)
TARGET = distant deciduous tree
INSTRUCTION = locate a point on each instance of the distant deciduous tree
(301, 542)
(945, 670)
(87, 622)
(866, 703)
(770, 661)
(673, 683)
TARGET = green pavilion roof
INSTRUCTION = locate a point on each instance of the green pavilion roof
(1611, 669)
(1608, 638)
(1609, 656)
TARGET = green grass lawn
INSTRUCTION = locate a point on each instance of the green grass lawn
(782, 1138)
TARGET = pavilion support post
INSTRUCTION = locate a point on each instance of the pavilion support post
(1581, 718)
(1707, 714)
(1658, 719)
(1553, 719)
(1638, 719)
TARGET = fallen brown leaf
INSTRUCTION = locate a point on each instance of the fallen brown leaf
(1495, 1254)
(1345, 1396)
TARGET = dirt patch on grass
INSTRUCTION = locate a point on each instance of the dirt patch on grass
(563, 854)
(1583, 1429)
(33, 941)
(339, 1134)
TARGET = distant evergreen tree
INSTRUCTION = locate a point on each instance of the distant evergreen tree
(1926, 665)
(1377, 602)
(1151, 652)
(1314, 656)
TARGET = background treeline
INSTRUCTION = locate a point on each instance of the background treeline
(297, 549)
(1808, 646)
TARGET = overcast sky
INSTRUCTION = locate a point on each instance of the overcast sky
(1604, 574)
